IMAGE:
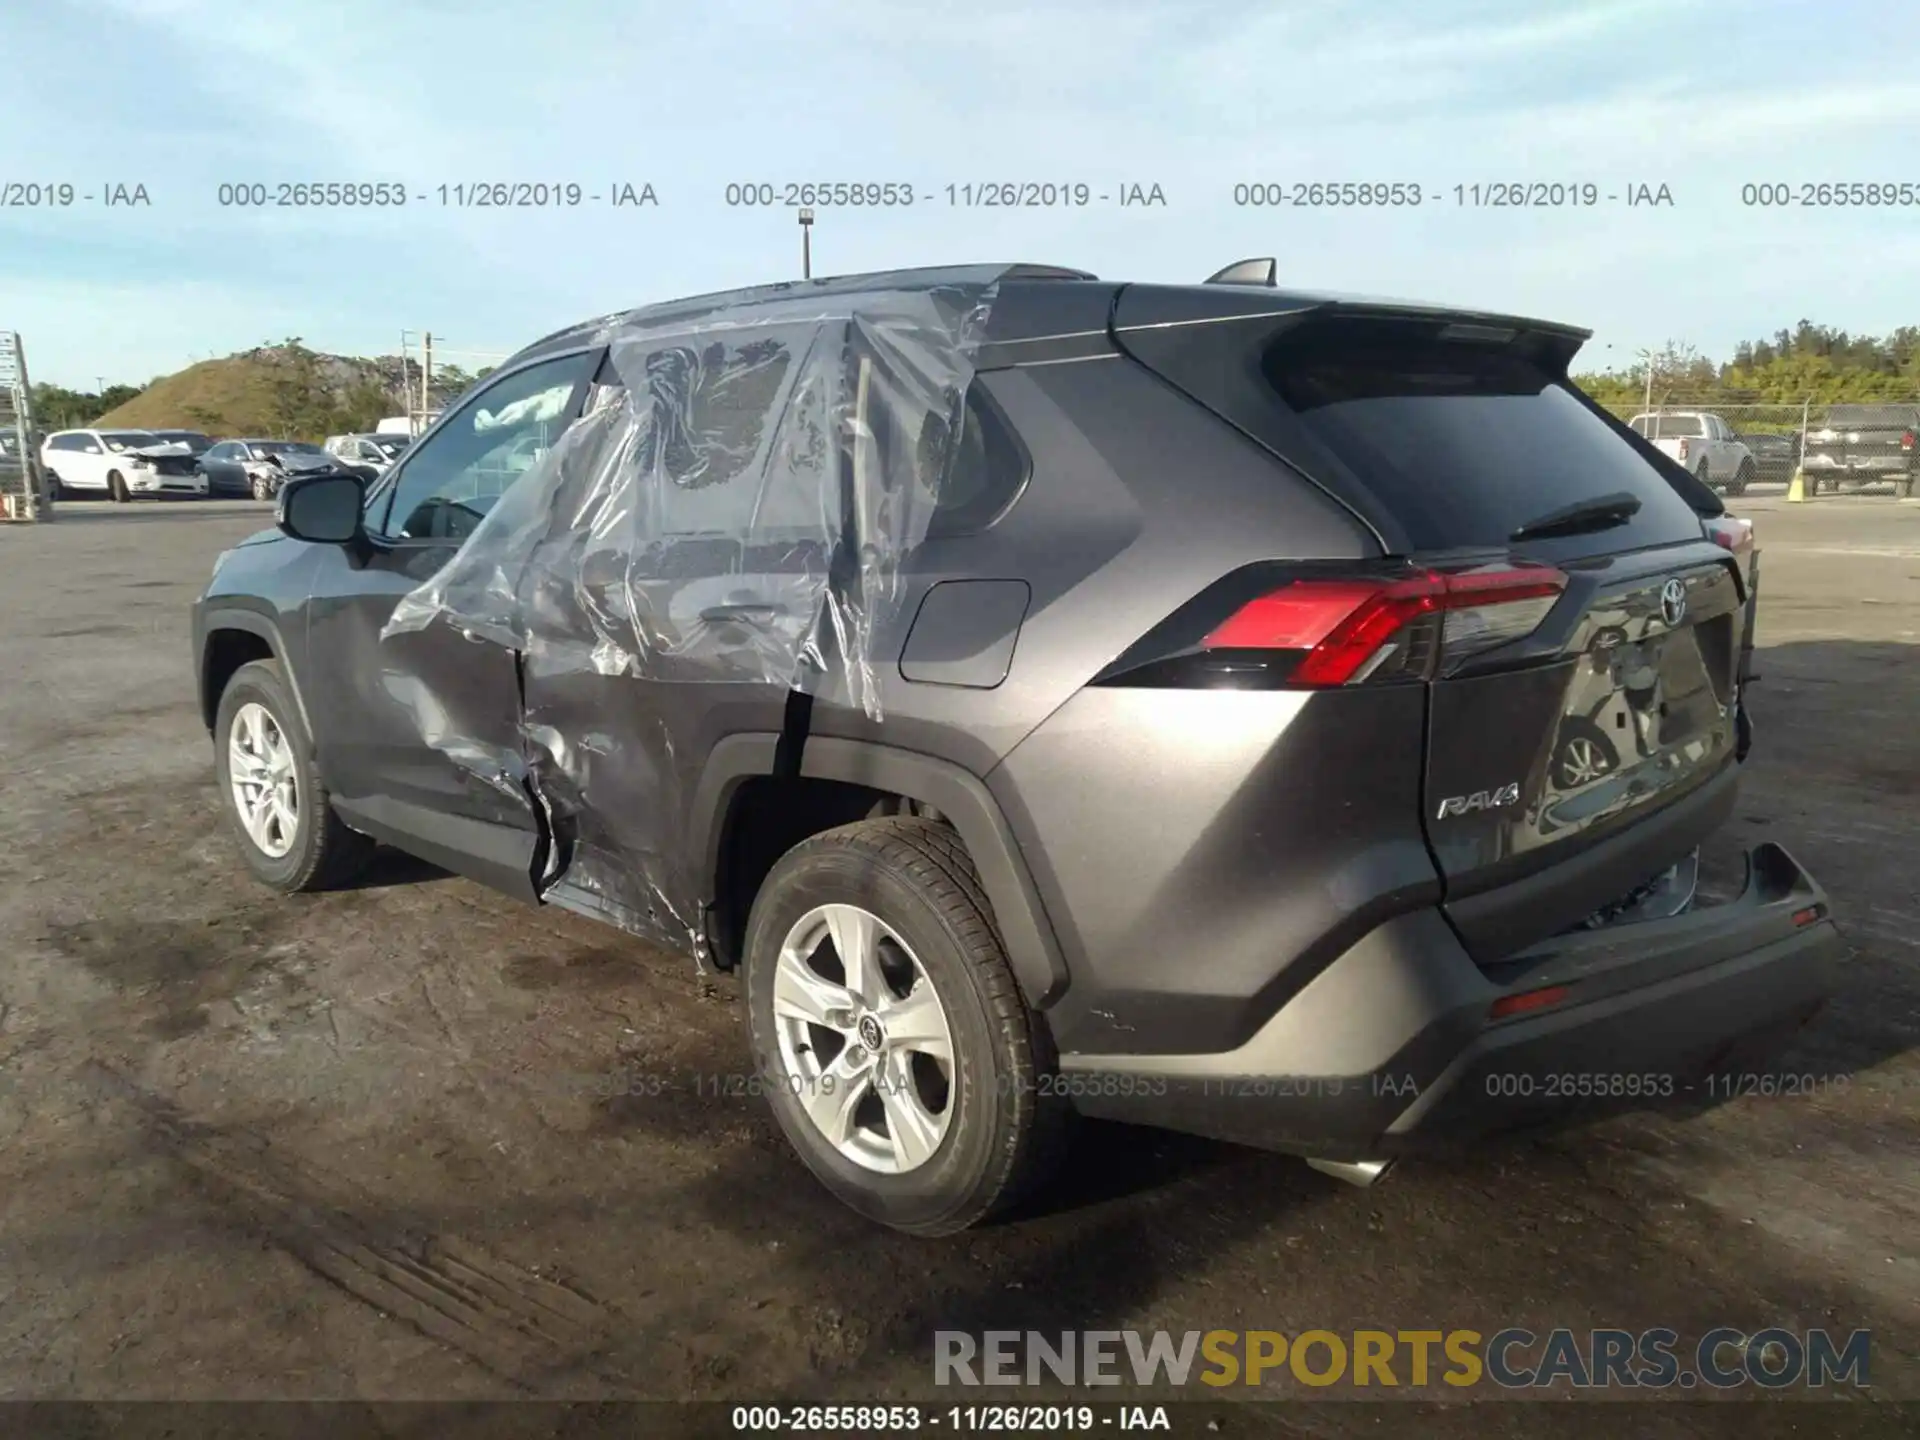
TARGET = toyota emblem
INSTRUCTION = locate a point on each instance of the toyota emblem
(1673, 601)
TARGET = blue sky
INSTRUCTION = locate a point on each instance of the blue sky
(183, 95)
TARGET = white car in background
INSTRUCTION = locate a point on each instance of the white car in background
(1703, 443)
(369, 454)
(119, 464)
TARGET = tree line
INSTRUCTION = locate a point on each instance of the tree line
(1810, 362)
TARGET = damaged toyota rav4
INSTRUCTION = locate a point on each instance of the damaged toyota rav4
(1287, 718)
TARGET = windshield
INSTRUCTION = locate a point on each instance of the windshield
(389, 445)
(287, 447)
(118, 440)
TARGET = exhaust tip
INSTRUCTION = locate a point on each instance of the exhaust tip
(1355, 1172)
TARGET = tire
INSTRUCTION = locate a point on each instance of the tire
(117, 488)
(320, 855)
(1742, 478)
(1000, 1128)
(1704, 475)
(55, 490)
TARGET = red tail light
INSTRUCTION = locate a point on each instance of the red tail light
(1683, 447)
(1906, 441)
(1352, 629)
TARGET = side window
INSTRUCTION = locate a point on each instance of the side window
(219, 452)
(1640, 425)
(451, 480)
(88, 445)
(713, 411)
(973, 477)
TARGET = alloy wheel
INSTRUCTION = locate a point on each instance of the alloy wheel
(1582, 761)
(263, 779)
(864, 1039)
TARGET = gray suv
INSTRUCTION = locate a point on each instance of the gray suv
(1196, 705)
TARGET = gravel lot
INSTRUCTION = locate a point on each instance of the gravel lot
(413, 1140)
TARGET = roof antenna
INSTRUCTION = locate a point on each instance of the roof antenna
(1247, 272)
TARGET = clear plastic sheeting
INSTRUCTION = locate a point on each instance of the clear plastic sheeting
(734, 504)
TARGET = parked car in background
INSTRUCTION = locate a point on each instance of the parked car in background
(1860, 445)
(1331, 596)
(119, 464)
(1702, 443)
(258, 468)
(1776, 454)
(367, 455)
(197, 444)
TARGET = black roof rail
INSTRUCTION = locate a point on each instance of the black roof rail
(1263, 271)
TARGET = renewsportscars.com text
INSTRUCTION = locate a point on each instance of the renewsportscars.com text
(1514, 1358)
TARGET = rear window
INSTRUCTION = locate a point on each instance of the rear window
(1872, 414)
(1666, 427)
(1463, 442)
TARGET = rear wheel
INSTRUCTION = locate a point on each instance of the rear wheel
(1742, 478)
(1704, 474)
(289, 836)
(117, 488)
(55, 490)
(900, 1058)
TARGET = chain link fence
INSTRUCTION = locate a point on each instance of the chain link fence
(1835, 446)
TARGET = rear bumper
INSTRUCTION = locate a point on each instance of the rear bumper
(1393, 1048)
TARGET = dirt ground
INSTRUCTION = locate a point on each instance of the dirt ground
(413, 1140)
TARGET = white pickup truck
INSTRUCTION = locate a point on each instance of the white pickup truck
(1704, 443)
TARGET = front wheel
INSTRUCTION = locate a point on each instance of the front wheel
(289, 836)
(898, 1053)
(117, 488)
(1742, 478)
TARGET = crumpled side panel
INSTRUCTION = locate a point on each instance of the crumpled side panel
(735, 505)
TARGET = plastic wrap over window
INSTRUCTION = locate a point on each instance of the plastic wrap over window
(737, 497)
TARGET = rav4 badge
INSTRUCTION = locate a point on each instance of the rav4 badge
(1479, 800)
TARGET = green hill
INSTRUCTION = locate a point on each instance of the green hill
(285, 390)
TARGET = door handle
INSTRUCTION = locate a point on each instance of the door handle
(475, 636)
(717, 613)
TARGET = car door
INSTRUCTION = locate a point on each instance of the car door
(213, 465)
(88, 462)
(418, 734)
(716, 560)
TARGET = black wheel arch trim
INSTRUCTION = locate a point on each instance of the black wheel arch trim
(233, 617)
(959, 796)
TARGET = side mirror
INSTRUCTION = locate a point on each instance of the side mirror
(323, 509)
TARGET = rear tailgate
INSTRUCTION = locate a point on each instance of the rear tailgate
(1872, 438)
(1581, 732)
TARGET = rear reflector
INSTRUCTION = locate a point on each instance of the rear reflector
(1348, 629)
(1531, 1000)
(1730, 533)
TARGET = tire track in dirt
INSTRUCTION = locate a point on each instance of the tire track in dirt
(527, 1328)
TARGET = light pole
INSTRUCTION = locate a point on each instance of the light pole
(806, 242)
